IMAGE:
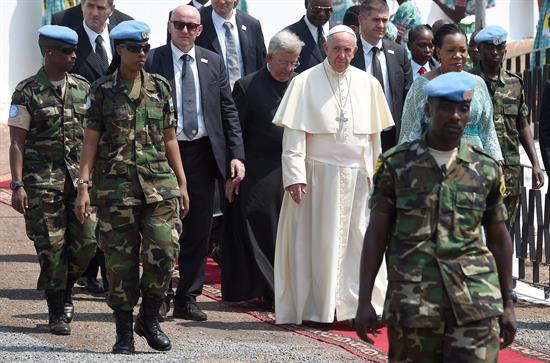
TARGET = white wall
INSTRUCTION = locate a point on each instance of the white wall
(19, 20)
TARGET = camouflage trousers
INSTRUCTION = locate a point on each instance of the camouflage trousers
(128, 235)
(63, 245)
(512, 205)
(512, 176)
(473, 343)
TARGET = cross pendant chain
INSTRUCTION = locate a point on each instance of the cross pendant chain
(342, 119)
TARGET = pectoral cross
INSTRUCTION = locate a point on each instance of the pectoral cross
(342, 119)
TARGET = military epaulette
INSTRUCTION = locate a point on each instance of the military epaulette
(80, 78)
(24, 83)
(100, 81)
(397, 149)
(161, 79)
(481, 151)
(512, 74)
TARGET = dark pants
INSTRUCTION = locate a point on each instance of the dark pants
(388, 139)
(201, 172)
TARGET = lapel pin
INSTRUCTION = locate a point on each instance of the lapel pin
(243, 27)
(204, 60)
(391, 51)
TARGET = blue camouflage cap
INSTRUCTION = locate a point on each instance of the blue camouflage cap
(61, 33)
(130, 30)
(454, 86)
(493, 34)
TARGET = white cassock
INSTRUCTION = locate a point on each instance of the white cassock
(319, 241)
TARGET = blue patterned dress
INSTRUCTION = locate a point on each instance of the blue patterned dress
(479, 131)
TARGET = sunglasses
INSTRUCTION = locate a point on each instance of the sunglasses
(137, 48)
(65, 49)
(179, 25)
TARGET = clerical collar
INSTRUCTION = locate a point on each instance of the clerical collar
(331, 70)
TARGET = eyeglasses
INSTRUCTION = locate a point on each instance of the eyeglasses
(320, 9)
(65, 49)
(287, 64)
(179, 25)
(137, 48)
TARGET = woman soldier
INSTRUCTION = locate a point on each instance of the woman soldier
(130, 142)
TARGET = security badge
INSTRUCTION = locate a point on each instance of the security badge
(14, 111)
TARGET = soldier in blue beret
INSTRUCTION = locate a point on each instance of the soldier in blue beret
(510, 115)
(46, 121)
(139, 187)
(432, 196)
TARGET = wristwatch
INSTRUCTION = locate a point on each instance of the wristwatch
(16, 184)
(82, 181)
(511, 295)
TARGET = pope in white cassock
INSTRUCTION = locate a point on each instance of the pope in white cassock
(332, 116)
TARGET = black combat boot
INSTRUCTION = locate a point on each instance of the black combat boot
(124, 335)
(68, 307)
(57, 322)
(147, 325)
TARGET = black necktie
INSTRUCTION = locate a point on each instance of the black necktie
(376, 67)
(321, 40)
(101, 53)
(188, 98)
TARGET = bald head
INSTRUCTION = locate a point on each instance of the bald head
(340, 49)
(184, 27)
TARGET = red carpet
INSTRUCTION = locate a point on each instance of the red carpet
(342, 335)
(5, 191)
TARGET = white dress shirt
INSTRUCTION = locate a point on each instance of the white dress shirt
(220, 31)
(92, 35)
(313, 29)
(416, 67)
(178, 65)
(367, 47)
(198, 5)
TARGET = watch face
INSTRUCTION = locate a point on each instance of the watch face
(16, 184)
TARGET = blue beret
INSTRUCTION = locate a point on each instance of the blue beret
(454, 86)
(130, 30)
(492, 34)
(61, 33)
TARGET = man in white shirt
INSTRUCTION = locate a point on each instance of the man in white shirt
(385, 60)
(420, 44)
(209, 138)
(234, 35)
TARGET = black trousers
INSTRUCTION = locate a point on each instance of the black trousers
(388, 139)
(201, 172)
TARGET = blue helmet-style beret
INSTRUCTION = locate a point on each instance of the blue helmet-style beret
(493, 34)
(454, 86)
(61, 33)
(130, 30)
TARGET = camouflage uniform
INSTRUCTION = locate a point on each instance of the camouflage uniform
(134, 187)
(509, 109)
(443, 288)
(50, 169)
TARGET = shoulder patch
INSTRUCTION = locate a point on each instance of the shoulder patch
(502, 186)
(14, 111)
(379, 163)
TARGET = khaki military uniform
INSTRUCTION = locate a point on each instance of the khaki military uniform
(509, 108)
(443, 290)
(54, 120)
(134, 187)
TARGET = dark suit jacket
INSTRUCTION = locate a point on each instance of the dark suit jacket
(399, 73)
(544, 127)
(87, 62)
(251, 38)
(310, 55)
(220, 114)
(73, 17)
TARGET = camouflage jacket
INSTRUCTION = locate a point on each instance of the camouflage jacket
(54, 138)
(436, 249)
(131, 165)
(508, 107)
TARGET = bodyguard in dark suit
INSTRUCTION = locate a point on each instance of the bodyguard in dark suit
(73, 17)
(246, 42)
(312, 30)
(210, 142)
(385, 60)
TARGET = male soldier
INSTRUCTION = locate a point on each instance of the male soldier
(509, 114)
(46, 117)
(446, 287)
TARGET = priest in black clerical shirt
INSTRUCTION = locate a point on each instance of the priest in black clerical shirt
(249, 245)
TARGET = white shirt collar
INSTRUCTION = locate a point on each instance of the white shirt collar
(198, 5)
(219, 21)
(177, 53)
(367, 46)
(313, 29)
(92, 35)
(415, 66)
